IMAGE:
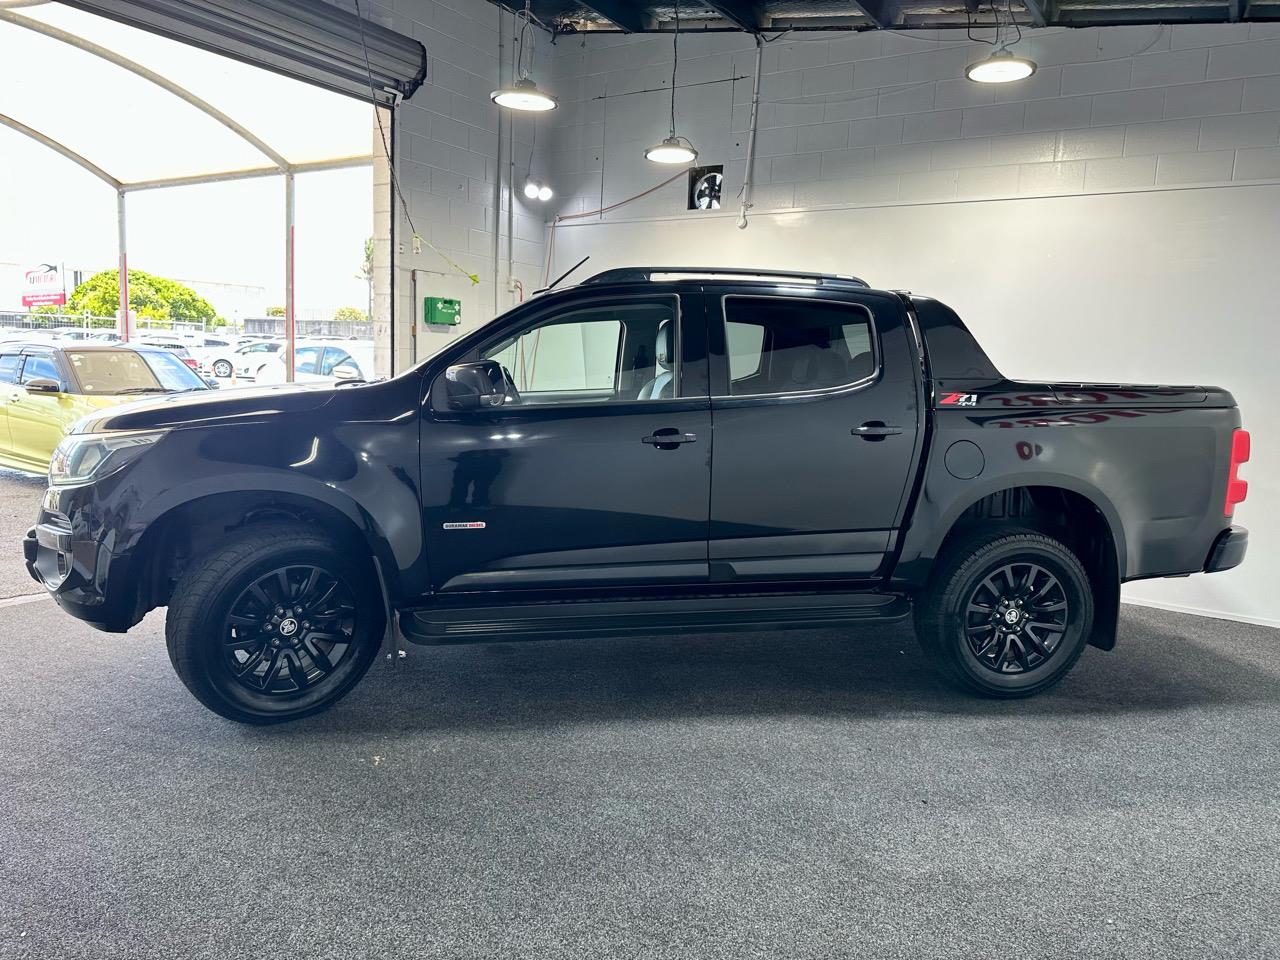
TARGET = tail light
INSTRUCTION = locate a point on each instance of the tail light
(191, 362)
(1237, 489)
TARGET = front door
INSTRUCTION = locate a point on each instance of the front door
(816, 413)
(596, 472)
(37, 420)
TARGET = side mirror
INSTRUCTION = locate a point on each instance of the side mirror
(345, 371)
(42, 385)
(476, 386)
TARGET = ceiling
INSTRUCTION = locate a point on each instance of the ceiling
(766, 16)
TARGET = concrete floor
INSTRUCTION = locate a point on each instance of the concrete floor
(801, 795)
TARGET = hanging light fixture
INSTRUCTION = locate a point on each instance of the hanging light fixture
(1001, 66)
(524, 93)
(537, 191)
(673, 149)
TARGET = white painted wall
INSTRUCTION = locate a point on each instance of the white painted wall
(1116, 217)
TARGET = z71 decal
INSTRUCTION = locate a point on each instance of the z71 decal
(959, 400)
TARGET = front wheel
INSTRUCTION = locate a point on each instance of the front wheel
(222, 369)
(1006, 615)
(274, 624)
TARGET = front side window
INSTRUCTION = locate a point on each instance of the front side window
(40, 367)
(596, 354)
(335, 357)
(784, 345)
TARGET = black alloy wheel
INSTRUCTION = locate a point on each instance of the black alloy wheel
(1016, 617)
(289, 630)
(275, 623)
(1006, 612)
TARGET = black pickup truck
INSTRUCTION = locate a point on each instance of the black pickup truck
(655, 450)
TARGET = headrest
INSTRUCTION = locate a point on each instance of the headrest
(664, 345)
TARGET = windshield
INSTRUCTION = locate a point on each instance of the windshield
(124, 371)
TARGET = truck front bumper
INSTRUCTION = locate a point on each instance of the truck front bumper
(1228, 550)
(76, 572)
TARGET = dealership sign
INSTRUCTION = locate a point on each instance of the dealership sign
(42, 286)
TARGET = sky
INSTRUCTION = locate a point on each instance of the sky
(229, 233)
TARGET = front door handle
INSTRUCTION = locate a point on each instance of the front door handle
(875, 430)
(668, 438)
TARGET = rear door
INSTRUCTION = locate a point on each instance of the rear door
(598, 474)
(816, 409)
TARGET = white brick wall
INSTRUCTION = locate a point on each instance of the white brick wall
(448, 154)
(874, 117)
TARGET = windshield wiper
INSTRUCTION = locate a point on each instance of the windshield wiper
(121, 393)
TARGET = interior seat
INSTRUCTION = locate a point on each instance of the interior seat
(662, 386)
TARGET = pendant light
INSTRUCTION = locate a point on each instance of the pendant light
(1000, 66)
(673, 149)
(524, 93)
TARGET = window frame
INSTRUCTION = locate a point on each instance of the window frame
(670, 298)
(720, 354)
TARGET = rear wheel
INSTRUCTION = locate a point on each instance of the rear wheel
(1006, 615)
(222, 369)
(273, 625)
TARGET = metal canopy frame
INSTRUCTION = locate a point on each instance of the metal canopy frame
(280, 165)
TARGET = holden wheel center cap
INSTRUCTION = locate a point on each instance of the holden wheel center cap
(1011, 616)
(288, 627)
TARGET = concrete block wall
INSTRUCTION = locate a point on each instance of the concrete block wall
(889, 117)
(446, 144)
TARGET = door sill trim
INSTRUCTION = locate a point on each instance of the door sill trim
(607, 618)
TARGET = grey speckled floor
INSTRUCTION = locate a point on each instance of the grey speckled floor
(804, 795)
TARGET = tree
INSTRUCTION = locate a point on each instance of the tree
(349, 315)
(151, 297)
(366, 271)
(275, 311)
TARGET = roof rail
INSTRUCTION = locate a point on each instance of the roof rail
(643, 274)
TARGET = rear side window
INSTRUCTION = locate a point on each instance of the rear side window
(792, 345)
(10, 364)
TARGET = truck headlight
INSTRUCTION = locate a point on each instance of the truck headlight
(82, 457)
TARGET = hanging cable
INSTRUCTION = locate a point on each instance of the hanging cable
(391, 166)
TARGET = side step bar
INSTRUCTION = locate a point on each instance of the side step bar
(602, 619)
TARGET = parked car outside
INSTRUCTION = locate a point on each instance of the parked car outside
(217, 355)
(45, 388)
(321, 361)
(555, 473)
(175, 345)
(252, 357)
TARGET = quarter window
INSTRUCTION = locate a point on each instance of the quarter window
(598, 354)
(781, 345)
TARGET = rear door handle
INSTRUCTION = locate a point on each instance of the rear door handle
(668, 438)
(875, 430)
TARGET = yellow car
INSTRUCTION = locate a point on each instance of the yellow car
(46, 387)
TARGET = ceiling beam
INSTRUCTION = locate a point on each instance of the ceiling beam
(747, 14)
(626, 16)
(1038, 11)
(879, 12)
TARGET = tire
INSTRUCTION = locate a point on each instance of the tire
(222, 369)
(988, 630)
(244, 659)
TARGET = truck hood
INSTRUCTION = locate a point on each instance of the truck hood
(206, 408)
